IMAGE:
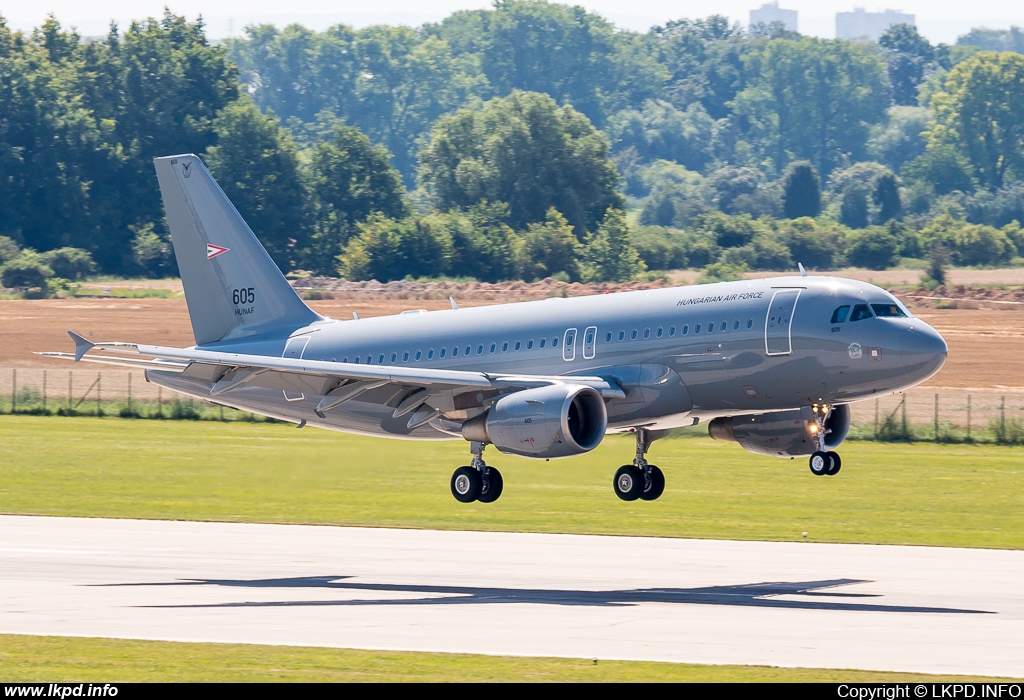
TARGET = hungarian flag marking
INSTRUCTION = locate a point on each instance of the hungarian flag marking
(213, 251)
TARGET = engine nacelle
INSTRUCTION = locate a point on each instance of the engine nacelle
(783, 434)
(560, 420)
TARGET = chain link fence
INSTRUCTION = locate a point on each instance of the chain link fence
(923, 414)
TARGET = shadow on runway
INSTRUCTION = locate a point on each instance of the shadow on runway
(814, 594)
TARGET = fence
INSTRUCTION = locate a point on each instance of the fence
(122, 393)
(923, 414)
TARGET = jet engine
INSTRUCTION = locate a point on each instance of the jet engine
(783, 434)
(560, 420)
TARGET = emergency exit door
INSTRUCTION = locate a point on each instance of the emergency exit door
(778, 324)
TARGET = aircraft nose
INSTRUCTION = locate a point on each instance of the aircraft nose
(927, 346)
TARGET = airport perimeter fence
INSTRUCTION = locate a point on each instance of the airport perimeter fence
(923, 414)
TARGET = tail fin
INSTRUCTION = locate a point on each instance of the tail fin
(232, 287)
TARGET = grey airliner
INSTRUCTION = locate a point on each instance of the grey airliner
(771, 364)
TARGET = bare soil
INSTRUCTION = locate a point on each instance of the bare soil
(984, 328)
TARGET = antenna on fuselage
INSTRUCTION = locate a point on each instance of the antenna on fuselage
(803, 272)
(355, 316)
(455, 307)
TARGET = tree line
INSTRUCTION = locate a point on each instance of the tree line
(527, 140)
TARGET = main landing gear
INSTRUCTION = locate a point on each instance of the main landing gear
(477, 482)
(822, 462)
(640, 479)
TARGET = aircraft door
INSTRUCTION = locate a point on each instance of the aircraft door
(293, 351)
(590, 343)
(569, 345)
(779, 322)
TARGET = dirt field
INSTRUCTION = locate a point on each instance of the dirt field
(986, 344)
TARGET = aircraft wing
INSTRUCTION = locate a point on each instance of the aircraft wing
(337, 382)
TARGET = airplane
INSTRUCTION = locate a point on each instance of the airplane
(770, 364)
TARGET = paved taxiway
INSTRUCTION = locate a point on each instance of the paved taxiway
(788, 604)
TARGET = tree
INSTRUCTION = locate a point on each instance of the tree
(388, 249)
(256, 164)
(609, 256)
(550, 248)
(8, 249)
(853, 210)
(812, 99)
(349, 179)
(526, 151)
(659, 130)
(943, 169)
(69, 263)
(886, 197)
(874, 248)
(899, 138)
(981, 113)
(908, 55)
(801, 191)
(27, 270)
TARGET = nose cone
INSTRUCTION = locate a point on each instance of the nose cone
(925, 349)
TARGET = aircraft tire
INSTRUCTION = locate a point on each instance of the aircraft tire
(656, 487)
(836, 465)
(820, 463)
(466, 484)
(495, 484)
(628, 482)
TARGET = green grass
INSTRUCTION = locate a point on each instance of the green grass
(952, 495)
(56, 659)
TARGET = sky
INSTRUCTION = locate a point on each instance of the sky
(939, 20)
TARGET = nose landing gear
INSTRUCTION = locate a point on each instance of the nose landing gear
(641, 479)
(477, 482)
(822, 462)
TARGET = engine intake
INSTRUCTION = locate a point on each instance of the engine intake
(561, 420)
(782, 434)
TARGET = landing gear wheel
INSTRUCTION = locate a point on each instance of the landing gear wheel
(836, 463)
(654, 486)
(492, 491)
(466, 484)
(820, 463)
(629, 482)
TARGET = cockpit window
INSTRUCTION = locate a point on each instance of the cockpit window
(888, 311)
(860, 312)
(840, 314)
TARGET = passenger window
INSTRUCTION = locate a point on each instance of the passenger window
(840, 314)
(518, 345)
(356, 361)
(405, 356)
(711, 327)
(542, 341)
(369, 359)
(419, 355)
(647, 333)
(736, 326)
(493, 346)
(443, 351)
(344, 359)
(725, 326)
(529, 345)
(696, 329)
(608, 337)
(888, 311)
(622, 335)
(455, 351)
(750, 323)
(554, 342)
(394, 356)
(469, 350)
(380, 360)
(671, 331)
(430, 354)
(504, 347)
(480, 350)
(860, 312)
(632, 335)
(659, 332)
(685, 329)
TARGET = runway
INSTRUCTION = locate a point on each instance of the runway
(922, 609)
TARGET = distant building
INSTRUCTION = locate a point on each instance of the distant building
(868, 26)
(770, 12)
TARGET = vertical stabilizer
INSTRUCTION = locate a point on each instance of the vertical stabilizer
(232, 286)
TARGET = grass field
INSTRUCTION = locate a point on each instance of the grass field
(54, 659)
(962, 495)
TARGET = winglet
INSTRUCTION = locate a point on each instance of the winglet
(82, 345)
(803, 272)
